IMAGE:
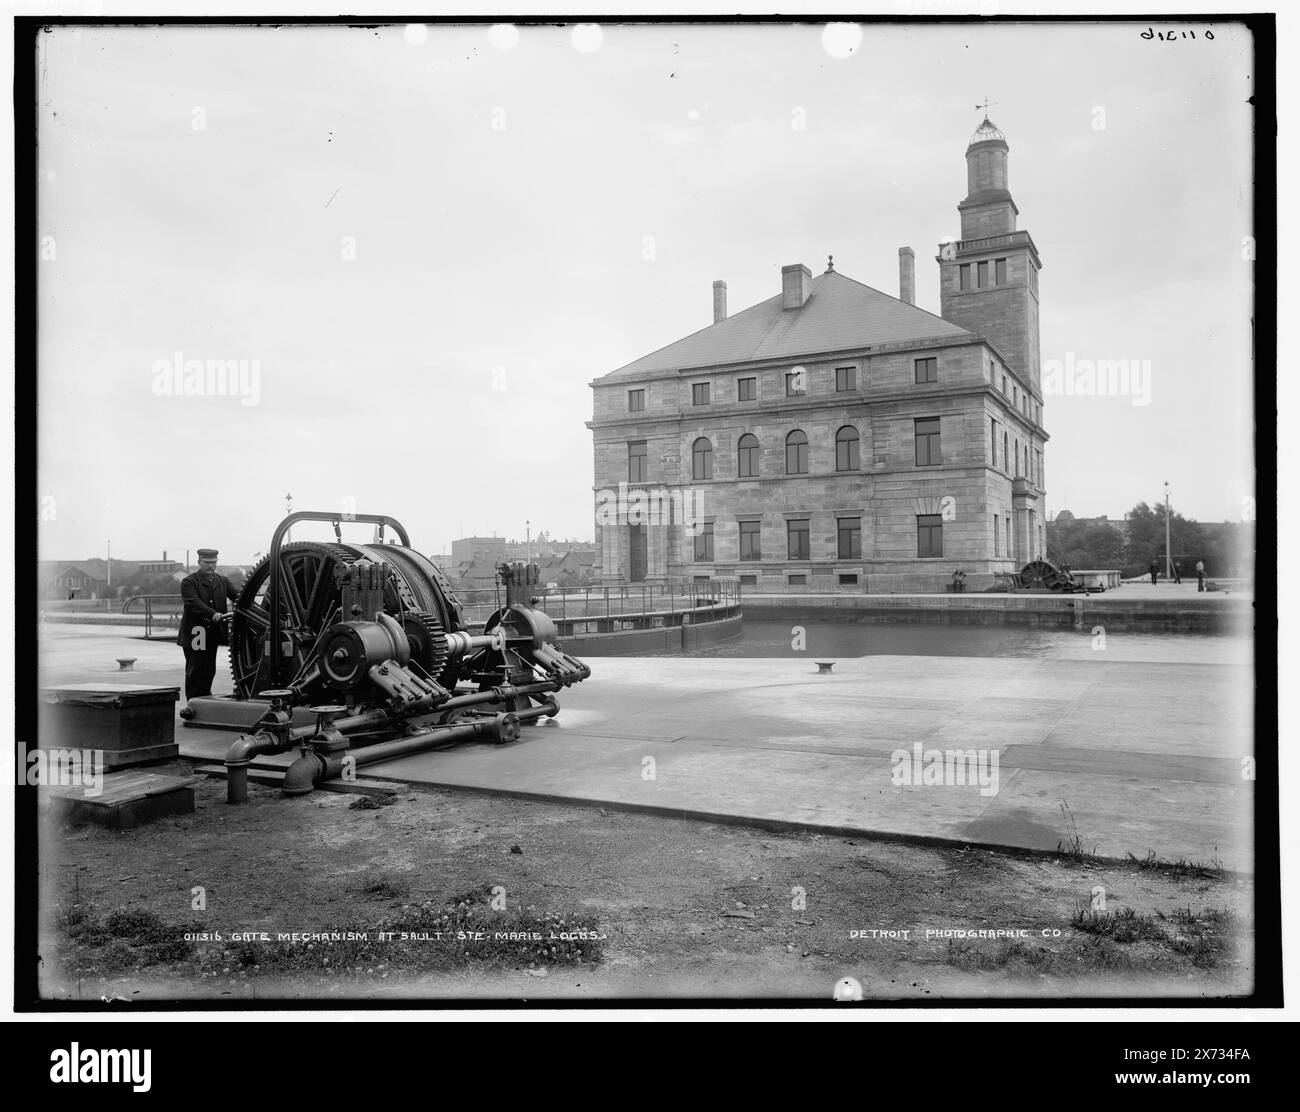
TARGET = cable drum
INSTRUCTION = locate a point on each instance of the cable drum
(310, 605)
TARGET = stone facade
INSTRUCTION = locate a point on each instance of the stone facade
(841, 432)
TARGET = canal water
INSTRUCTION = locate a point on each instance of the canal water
(831, 640)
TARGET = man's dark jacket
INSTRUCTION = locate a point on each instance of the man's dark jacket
(204, 597)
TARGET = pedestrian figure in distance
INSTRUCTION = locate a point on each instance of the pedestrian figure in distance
(1178, 573)
(1200, 575)
(203, 625)
(1155, 571)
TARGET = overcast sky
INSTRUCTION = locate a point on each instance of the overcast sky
(431, 243)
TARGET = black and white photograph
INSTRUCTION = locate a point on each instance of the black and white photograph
(656, 511)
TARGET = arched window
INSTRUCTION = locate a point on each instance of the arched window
(702, 459)
(846, 449)
(796, 453)
(747, 456)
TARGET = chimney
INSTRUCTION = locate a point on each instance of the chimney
(907, 275)
(796, 286)
(719, 301)
(164, 555)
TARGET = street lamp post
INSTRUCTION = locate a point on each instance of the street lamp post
(528, 540)
(1169, 558)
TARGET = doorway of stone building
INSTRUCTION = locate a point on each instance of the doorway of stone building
(638, 551)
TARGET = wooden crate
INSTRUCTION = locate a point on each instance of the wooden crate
(126, 800)
(129, 723)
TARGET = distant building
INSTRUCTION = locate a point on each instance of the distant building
(1065, 517)
(491, 551)
(75, 581)
(469, 550)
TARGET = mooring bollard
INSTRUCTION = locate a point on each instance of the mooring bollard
(824, 667)
(126, 663)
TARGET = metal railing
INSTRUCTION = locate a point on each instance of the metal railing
(670, 597)
(161, 610)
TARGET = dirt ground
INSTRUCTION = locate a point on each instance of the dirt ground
(496, 899)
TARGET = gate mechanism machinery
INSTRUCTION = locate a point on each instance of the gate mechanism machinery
(1041, 575)
(371, 639)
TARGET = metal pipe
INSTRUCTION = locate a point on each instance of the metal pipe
(308, 770)
(240, 755)
(504, 692)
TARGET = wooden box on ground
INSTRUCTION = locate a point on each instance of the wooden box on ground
(126, 799)
(128, 723)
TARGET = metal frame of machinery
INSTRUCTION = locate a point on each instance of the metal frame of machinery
(369, 640)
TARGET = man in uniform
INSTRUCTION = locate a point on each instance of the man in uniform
(203, 624)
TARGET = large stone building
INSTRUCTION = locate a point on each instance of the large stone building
(835, 438)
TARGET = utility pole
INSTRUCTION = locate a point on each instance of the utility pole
(288, 509)
(1169, 559)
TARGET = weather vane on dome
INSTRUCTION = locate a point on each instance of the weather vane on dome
(985, 106)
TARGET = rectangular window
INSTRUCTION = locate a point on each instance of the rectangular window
(1004, 386)
(699, 393)
(750, 540)
(929, 535)
(747, 389)
(1006, 521)
(997, 541)
(982, 275)
(846, 378)
(749, 581)
(927, 370)
(963, 273)
(848, 580)
(848, 538)
(636, 462)
(796, 382)
(797, 539)
(927, 442)
(700, 579)
(1000, 271)
(1006, 452)
(635, 401)
(798, 580)
(993, 441)
(704, 542)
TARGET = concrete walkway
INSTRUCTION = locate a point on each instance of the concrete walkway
(1127, 757)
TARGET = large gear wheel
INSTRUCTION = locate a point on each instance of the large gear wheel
(310, 564)
(428, 641)
(309, 605)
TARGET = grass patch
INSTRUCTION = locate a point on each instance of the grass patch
(1007, 956)
(1072, 848)
(1207, 937)
(386, 888)
(461, 932)
(1125, 925)
(1182, 868)
(127, 938)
